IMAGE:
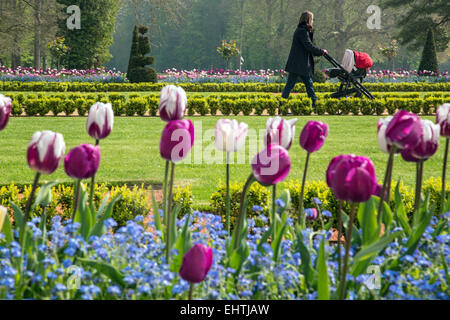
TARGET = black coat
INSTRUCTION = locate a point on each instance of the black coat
(300, 59)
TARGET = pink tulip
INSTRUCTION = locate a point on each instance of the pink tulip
(272, 165)
(443, 119)
(45, 151)
(100, 120)
(313, 136)
(196, 263)
(404, 130)
(177, 140)
(172, 103)
(280, 131)
(5, 111)
(82, 162)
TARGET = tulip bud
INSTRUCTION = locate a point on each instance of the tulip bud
(443, 119)
(352, 178)
(280, 131)
(311, 214)
(100, 120)
(272, 165)
(172, 103)
(177, 140)
(196, 263)
(230, 135)
(5, 110)
(3, 213)
(313, 136)
(82, 162)
(404, 130)
(45, 151)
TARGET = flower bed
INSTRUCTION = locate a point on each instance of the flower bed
(165, 257)
(99, 75)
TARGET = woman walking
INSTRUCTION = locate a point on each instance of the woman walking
(300, 64)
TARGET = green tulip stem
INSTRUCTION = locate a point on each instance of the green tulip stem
(242, 213)
(348, 242)
(386, 186)
(76, 198)
(228, 193)
(444, 174)
(302, 218)
(91, 193)
(274, 198)
(339, 237)
(191, 291)
(28, 207)
(169, 213)
(419, 179)
(166, 179)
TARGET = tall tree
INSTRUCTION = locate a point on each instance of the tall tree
(415, 17)
(429, 59)
(88, 46)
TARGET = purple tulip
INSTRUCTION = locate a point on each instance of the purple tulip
(427, 146)
(45, 151)
(404, 130)
(100, 120)
(332, 168)
(271, 165)
(352, 178)
(177, 140)
(443, 119)
(172, 103)
(313, 136)
(5, 111)
(196, 263)
(280, 131)
(82, 162)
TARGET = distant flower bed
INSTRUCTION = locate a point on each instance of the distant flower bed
(221, 76)
(400, 75)
(64, 75)
(279, 76)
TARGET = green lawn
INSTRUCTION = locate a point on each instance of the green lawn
(131, 153)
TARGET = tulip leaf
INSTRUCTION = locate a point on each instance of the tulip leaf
(44, 196)
(367, 251)
(7, 229)
(18, 215)
(105, 269)
(400, 212)
(367, 216)
(173, 226)
(239, 256)
(156, 214)
(276, 244)
(418, 231)
(356, 236)
(322, 271)
(182, 245)
(99, 226)
(306, 264)
(265, 237)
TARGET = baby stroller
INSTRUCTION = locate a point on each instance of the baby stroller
(351, 73)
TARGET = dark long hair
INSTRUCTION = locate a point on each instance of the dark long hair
(307, 18)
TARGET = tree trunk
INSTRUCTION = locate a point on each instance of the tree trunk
(340, 29)
(37, 33)
(241, 32)
(268, 57)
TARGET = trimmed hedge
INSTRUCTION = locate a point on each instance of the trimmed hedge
(236, 104)
(211, 87)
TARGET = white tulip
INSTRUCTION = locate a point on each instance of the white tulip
(280, 131)
(100, 120)
(230, 135)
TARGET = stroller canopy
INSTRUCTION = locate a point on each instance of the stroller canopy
(362, 60)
